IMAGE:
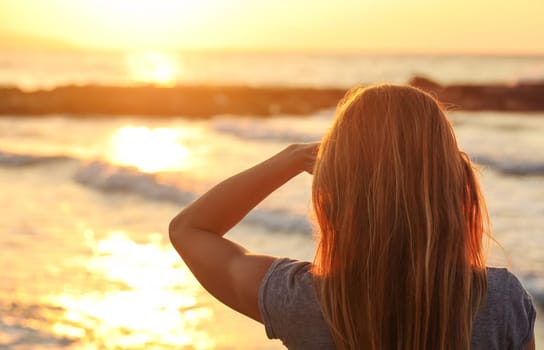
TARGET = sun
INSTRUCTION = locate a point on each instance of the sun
(156, 68)
(149, 150)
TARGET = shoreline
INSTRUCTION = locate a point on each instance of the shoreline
(205, 101)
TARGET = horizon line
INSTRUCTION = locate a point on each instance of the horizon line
(22, 42)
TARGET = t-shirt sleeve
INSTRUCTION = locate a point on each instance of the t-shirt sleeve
(289, 307)
(279, 297)
(521, 315)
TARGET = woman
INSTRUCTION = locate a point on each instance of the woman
(399, 261)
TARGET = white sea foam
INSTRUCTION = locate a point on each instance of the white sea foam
(272, 130)
(279, 220)
(510, 166)
(18, 160)
(17, 331)
(110, 178)
(114, 179)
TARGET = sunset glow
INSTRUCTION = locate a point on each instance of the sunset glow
(464, 26)
(153, 67)
(149, 150)
(120, 119)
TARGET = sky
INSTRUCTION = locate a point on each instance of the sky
(401, 26)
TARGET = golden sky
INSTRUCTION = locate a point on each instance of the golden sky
(428, 26)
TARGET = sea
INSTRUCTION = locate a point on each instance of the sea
(85, 257)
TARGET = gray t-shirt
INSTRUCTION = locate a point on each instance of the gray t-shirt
(291, 311)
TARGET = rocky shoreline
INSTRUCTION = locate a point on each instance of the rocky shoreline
(518, 97)
(207, 101)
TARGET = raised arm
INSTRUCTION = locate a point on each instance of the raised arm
(225, 269)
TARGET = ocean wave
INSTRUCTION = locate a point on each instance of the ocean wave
(20, 160)
(259, 130)
(279, 220)
(110, 178)
(510, 167)
(16, 330)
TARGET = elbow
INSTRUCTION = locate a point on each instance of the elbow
(175, 230)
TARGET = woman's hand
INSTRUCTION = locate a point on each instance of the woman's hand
(303, 155)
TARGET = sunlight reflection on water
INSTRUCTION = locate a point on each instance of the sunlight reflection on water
(150, 150)
(158, 304)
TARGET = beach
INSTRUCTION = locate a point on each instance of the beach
(87, 199)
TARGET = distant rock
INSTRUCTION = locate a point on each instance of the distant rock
(201, 101)
(188, 101)
(522, 96)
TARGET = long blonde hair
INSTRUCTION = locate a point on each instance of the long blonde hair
(399, 263)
